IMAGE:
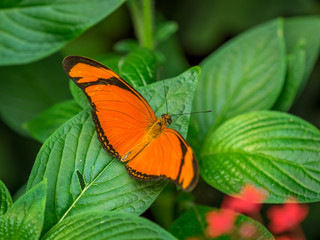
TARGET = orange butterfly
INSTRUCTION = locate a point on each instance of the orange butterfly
(128, 128)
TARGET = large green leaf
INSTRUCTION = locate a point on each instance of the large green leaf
(138, 67)
(306, 30)
(193, 224)
(5, 199)
(24, 220)
(43, 125)
(303, 44)
(294, 78)
(274, 151)
(27, 90)
(245, 74)
(74, 147)
(32, 29)
(106, 225)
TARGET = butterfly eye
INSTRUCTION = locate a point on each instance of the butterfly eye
(159, 124)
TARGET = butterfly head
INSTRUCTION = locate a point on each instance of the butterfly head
(166, 118)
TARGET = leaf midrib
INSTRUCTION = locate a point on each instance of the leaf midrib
(85, 189)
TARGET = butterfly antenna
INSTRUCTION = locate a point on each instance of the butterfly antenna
(191, 113)
(165, 94)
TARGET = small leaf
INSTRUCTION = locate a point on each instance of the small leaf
(42, 126)
(274, 151)
(165, 30)
(33, 30)
(139, 67)
(245, 74)
(27, 90)
(5, 199)
(126, 46)
(193, 224)
(24, 220)
(106, 225)
(75, 147)
(78, 95)
(295, 72)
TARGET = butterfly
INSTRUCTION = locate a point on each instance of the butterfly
(128, 128)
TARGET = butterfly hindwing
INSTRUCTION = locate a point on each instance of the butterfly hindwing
(168, 157)
(121, 115)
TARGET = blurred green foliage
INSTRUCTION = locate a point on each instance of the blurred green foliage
(186, 34)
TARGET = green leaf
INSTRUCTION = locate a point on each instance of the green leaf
(126, 46)
(165, 30)
(43, 125)
(245, 74)
(20, 192)
(24, 220)
(306, 30)
(5, 199)
(193, 224)
(106, 225)
(27, 90)
(34, 29)
(75, 147)
(138, 67)
(294, 78)
(303, 44)
(111, 60)
(274, 151)
(78, 95)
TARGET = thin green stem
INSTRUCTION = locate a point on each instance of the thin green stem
(142, 17)
(148, 23)
(136, 18)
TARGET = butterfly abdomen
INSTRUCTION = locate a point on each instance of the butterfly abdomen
(154, 131)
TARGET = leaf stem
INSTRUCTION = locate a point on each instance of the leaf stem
(84, 190)
(148, 23)
(142, 16)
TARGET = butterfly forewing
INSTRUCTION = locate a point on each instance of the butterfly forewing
(120, 113)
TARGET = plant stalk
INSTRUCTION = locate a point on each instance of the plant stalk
(142, 16)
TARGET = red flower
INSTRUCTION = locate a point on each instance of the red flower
(250, 201)
(220, 222)
(286, 217)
